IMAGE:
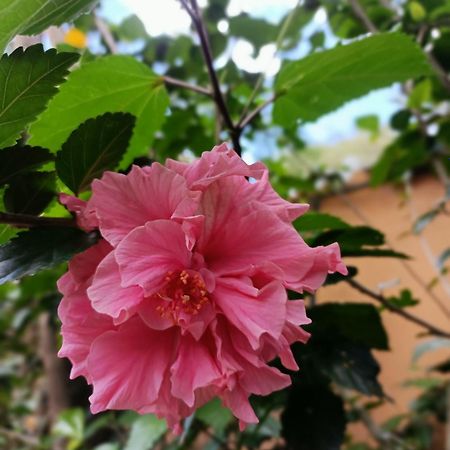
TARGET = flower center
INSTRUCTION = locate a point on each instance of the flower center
(184, 292)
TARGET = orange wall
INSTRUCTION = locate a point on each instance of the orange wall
(385, 208)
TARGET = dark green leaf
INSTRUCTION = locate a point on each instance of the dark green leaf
(28, 79)
(30, 193)
(19, 160)
(116, 84)
(400, 120)
(406, 152)
(334, 278)
(404, 300)
(97, 145)
(40, 248)
(358, 322)
(315, 221)
(34, 16)
(373, 253)
(324, 81)
(314, 418)
(354, 367)
(351, 238)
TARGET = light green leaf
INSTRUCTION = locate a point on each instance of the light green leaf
(110, 84)
(70, 424)
(28, 79)
(215, 415)
(34, 16)
(146, 430)
(324, 81)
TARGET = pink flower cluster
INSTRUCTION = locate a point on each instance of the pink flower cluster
(184, 297)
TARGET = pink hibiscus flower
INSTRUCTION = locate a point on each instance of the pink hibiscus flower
(184, 297)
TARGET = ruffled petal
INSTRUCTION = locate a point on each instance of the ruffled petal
(86, 219)
(148, 253)
(81, 325)
(194, 368)
(218, 163)
(255, 312)
(124, 202)
(128, 366)
(107, 294)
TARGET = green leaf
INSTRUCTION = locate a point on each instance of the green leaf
(97, 145)
(369, 123)
(404, 300)
(324, 81)
(358, 322)
(351, 238)
(19, 160)
(316, 221)
(215, 415)
(256, 31)
(70, 424)
(28, 79)
(115, 84)
(373, 253)
(34, 16)
(40, 248)
(408, 151)
(30, 193)
(131, 29)
(146, 430)
(314, 418)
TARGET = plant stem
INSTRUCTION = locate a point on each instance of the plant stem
(26, 221)
(253, 114)
(191, 87)
(362, 16)
(401, 312)
(197, 20)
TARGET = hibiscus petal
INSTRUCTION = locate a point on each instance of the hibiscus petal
(220, 162)
(148, 253)
(81, 325)
(124, 202)
(255, 313)
(108, 296)
(128, 366)
(194, 368)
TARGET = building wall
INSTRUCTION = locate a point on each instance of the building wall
(386, 208)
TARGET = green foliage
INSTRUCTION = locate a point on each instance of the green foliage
(314, 418)
(315, 221)
(215, 415)
(40, 248)
(30, 193)
(323, 81)
(97, 145)
(116, 84)
(359, 322)
(70, 425)
(21, 160)
(28, 79)
(146, 430)
(34, 16)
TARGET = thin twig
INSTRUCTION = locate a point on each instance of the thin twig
(401, 312)
(253, 114)
(283, 30)
(197, 20)
(106, 34)
(191, 87)
(26, 221)
(408, 267)
(362, 16)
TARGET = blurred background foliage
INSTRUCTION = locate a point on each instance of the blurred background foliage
(305, 62)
